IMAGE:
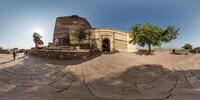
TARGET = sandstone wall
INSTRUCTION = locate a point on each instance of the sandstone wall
(120, 45)
(119, 40)
(131, 47)
(65, 25)
(58, 54)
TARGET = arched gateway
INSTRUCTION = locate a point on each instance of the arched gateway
(106, 45)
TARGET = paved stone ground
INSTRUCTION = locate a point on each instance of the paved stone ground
(107, 76)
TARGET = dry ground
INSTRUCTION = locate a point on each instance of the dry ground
(104, 76)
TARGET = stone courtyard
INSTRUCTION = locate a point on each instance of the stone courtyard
(102, 76)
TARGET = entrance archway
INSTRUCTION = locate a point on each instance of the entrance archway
(106, 45)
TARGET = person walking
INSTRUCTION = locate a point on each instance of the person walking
(174, 51)
(26, 52)
(14, 55)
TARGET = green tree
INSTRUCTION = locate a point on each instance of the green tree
(1, 48)
(187, 46)
(80, 34)
(15, 48)
(197, 48)
(170, 34)
(37, 39)
(151, 35)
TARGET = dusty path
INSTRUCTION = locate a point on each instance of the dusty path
(107, 76)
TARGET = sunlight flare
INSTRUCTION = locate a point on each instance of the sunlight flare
(40, 31)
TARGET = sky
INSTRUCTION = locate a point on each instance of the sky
(20, 18)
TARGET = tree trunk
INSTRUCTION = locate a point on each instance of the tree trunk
(187, 51)
(36, 45)
(149, 47)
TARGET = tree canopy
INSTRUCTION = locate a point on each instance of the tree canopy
(15, 48)
(151, 35)
(37, 39)
(187, 46)
(80, 34)
(170, 34)
(1, 48)
(197, 48)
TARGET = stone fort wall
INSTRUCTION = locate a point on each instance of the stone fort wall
(63, 27)
(118, 39)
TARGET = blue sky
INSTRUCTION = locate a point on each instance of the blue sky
(20, 18)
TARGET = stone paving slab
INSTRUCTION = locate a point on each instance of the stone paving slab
(108, 76)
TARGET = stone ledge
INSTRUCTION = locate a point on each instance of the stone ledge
(107, 28)
(55, 54)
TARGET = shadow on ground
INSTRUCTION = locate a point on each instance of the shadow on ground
(73, 80)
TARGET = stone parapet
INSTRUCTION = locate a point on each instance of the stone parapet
(63, 54)
(109, 29)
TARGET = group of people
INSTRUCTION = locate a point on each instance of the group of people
(17, 52)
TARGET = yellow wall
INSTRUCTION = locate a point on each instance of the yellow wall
(118, 39)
